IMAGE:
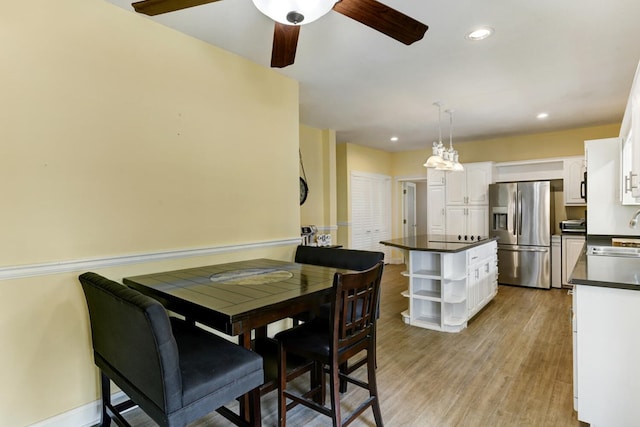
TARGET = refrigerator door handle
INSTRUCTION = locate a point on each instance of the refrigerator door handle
(515, 217)
(519, 213)
(523, 249)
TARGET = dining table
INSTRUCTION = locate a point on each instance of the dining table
(237, 298)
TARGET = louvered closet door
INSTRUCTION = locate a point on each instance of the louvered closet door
(370, 211)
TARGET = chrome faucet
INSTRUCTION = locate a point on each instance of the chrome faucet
(634, 219)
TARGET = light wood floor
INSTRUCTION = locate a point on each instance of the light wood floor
(512, 366)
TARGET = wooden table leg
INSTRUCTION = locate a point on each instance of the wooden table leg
(248, 400)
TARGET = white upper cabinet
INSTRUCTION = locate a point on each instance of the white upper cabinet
(435, 177)
(435, 210)
(467, 200)
(574, 187)
(470, 187)
(630, 155)
(467, 221)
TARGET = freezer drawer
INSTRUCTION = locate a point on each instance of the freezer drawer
(525, 266)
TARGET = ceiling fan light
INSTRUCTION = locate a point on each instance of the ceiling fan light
(294, 12)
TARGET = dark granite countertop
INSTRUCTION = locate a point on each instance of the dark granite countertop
(606, 271)
(436, 243)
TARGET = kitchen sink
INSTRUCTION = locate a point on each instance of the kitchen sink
(622, 251)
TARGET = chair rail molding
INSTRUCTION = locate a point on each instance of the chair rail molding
(30, 270)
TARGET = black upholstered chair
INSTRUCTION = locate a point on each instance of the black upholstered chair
(348, 259)
(350, 330)
(173, 370)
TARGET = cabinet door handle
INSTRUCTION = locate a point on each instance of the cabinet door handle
(628, 182)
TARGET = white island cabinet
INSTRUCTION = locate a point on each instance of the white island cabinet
(449, 281)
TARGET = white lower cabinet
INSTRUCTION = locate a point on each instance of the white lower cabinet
(571, 250)
(606, 355)
(447, 289)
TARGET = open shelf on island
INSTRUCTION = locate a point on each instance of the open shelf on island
(427, 294)
(447, 288)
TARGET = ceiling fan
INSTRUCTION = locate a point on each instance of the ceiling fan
(371, 13)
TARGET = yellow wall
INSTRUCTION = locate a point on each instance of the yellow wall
(121, 137)
(318, 149)
(515, 148)
(535, 146)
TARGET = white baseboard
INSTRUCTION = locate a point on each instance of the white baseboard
(83, 416)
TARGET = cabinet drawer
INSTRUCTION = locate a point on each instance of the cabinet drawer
(479, 253)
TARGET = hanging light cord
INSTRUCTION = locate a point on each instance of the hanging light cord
(450, 129)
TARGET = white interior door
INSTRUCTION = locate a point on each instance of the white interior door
(370, 211)
(409, 209)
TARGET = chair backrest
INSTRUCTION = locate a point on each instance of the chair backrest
(349, 259)
(354, 306)
(132, 341)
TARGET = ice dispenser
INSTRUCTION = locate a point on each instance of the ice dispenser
(499, 219)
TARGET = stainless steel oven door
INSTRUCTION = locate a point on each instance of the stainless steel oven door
(524, 266)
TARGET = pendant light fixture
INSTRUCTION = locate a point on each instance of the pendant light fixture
(444, 158)
(294, 12)
(436, 160)
(456, 166)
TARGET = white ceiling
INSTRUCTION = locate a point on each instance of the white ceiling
(574, 59)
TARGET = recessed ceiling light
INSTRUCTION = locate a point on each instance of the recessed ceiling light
(394, 139)
(542, 116)
(479, 33)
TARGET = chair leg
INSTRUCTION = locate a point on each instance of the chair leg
(105, 389)
(318, 380)
(373, 387)
(255, 416)
(334, 388)
(344, 368)
(282, 386)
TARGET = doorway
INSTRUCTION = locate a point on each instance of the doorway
(410, 211)
(414, 207)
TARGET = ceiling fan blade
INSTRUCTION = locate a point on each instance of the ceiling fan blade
(285, 42)
(382, 18)
(156, 7)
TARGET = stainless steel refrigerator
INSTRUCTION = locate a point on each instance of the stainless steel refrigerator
(522, 218)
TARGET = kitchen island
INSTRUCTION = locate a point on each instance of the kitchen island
(606, 316)
(450, 279)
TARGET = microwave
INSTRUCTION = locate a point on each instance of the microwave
(573, 226)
